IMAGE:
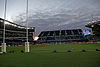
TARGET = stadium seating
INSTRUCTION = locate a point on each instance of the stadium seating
(53, 37)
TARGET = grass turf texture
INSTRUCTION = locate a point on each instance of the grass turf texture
(43, 56)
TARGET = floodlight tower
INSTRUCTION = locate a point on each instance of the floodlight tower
(27, 43)
(3, 49)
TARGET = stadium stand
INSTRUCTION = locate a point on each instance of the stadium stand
(15, 34)
(95, 26)
(61, 36)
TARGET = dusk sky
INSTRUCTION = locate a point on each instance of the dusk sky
(57, 12)
(15, 7)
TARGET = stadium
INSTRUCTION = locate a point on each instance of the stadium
(54, 48)
(95, 26)
(60, 47)
(15, 34)
(62, 36)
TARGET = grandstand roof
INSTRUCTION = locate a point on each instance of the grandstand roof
(14, 24)
(93, 24)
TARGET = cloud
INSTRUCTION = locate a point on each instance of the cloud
(61, 17)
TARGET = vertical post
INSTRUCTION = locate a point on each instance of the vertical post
(4, 44)
(27, 43)
(27, 20)
(60, 36)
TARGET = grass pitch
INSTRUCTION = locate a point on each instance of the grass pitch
(43, 56)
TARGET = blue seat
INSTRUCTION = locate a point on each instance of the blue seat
(97, 49)
(54, 51)
(84, 50)
(69, 51)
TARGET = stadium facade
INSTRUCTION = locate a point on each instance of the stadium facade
(15, 34)
(95, 26)
(61, 36)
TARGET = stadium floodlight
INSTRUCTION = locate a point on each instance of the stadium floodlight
(3, 49)
(92, 25)
(27, 43)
